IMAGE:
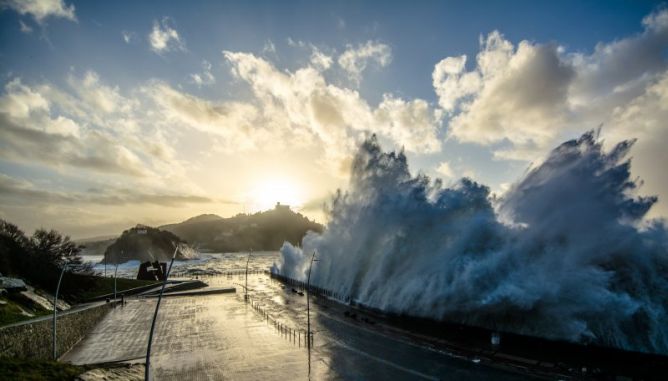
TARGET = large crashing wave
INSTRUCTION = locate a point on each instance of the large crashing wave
(565, 254)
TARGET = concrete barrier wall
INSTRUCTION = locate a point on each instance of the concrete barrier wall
(313, 289)
(34, 339)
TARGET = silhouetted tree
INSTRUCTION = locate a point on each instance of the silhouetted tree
(37, 259)
(54, 248)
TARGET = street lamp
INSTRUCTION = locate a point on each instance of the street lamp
(308, 304)
(55, 308)
(116, 271)
(247, 260)
(147, 373)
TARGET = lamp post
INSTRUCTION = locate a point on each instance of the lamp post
(55, 309)
(308, 304)
(147, 371)
(115, 272)
(246, 288)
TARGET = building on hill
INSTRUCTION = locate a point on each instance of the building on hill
(282, 207)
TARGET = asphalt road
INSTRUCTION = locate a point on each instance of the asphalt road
(216, 337)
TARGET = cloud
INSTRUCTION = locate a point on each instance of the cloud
(97, 97)
(514, 94)
(232, 122)
(646, 118)
(205, 78)
(521, 99)
(320, 60)
(164, 38)
(411, 124)
(444, 169)
(354, 60)
(450, 86)
(304, 104)
(91, 127)
(25, 192)
(40, 10)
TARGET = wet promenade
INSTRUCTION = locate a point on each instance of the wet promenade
(220, 337)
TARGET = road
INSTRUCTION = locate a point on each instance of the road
(221, 337)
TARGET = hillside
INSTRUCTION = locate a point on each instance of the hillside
(260, 231)
(95, 247)
(145, 243)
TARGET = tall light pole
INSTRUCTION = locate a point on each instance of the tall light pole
(308, 304)
(55, 312)
(147, 370)
(55, 308)
(247, 260)
(115, 272)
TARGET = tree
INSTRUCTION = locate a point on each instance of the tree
(14, 248)
(54, 248)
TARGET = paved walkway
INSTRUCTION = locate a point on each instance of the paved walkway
(206, 337)
(219, 337)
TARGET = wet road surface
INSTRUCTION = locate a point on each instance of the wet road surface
(221, 337)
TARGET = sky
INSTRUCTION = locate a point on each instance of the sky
(118, 113)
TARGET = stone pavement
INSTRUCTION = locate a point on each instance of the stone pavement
(207, 337)
(220, 337)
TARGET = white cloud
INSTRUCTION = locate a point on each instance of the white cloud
(233, 122)
(646, 118)
(522, 99)
(205, 78)
(320, 60)
(98, 97)
(356, 59)
(164, 38)
(444, 169)
(304, 104)
(40, 10)
(90, 128)
(411, 124)
(450, 85)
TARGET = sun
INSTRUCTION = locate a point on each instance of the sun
(268, 192)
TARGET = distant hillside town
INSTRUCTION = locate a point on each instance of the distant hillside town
(265, 230)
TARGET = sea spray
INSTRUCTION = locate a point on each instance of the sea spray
(564, 254)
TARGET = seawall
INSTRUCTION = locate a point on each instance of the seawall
(33, 339)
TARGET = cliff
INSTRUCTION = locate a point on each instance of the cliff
(145, 243)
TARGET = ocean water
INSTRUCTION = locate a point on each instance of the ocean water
(205, 264)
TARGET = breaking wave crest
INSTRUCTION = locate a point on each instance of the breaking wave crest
(565, 254)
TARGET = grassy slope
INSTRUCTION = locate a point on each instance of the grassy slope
(103, 286)
(11, 312)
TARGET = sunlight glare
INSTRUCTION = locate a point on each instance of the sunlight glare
(267, 193)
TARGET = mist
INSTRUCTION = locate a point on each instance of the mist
(567, 253)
